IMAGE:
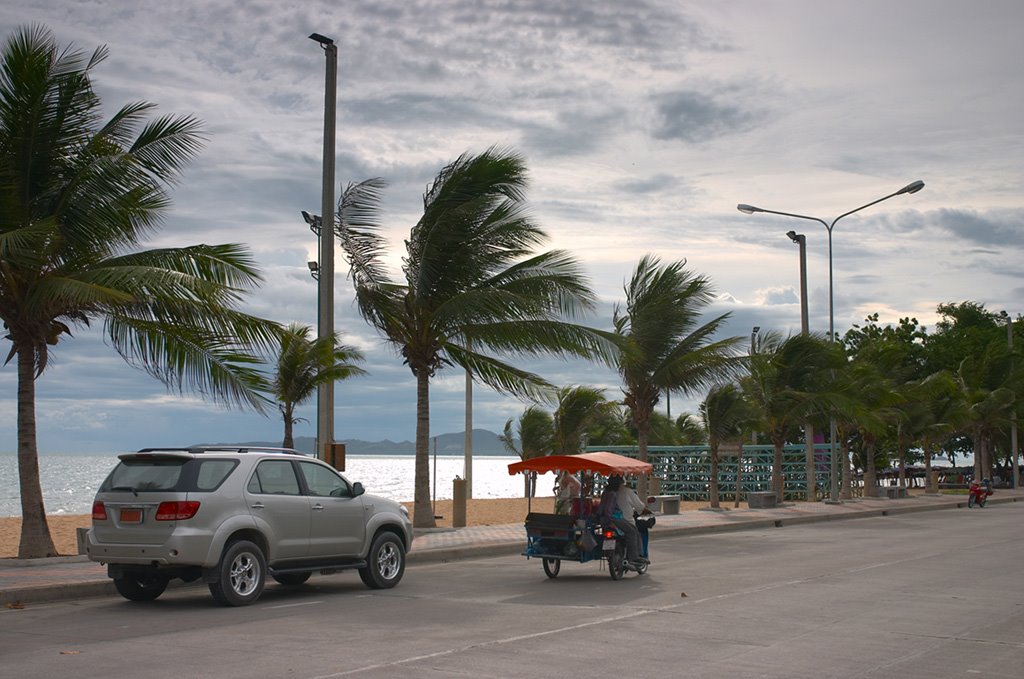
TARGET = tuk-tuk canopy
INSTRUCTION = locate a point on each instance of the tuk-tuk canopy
(603, 463)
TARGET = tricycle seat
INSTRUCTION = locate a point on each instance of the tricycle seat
(549, 525)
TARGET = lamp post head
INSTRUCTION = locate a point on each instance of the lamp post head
(794, 236)
(747, 209)
(323, 40)
(912, 187)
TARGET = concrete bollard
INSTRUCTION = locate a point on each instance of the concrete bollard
(458, 502)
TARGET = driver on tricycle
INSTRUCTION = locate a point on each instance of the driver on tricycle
(618, 502)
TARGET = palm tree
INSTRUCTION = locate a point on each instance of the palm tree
(786, 386)
(945, 412)
(691, 430)
(76, 199)
(303, 365)
(725, 414)
(664, 345)
(473, 289)
(536, 439)
(578, 409)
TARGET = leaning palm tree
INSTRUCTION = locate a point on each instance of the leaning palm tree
(665, 345)
(579, 408)
(303, 364)
(725, 414)
(536, 439)
(77, 197)
(474, 290)
(788, 384)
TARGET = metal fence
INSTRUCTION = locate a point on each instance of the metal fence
(686, 470)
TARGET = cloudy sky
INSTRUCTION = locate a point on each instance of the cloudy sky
(643, 125)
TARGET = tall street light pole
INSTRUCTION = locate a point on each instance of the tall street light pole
(325, 312)
(1013, 415)
(912, 187)
(810, 467)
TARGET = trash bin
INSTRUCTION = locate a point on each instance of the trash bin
(669, 504)
(458, 502)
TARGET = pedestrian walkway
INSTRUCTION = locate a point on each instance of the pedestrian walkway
(38, 580)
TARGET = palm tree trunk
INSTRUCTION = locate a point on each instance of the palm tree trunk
(870, 474)
(844, 450)
(287, 414)
(422, 511)
(713, 484)
(641, 444)
(810, 463)
(901, 451)
(777, 484)
(35, 531)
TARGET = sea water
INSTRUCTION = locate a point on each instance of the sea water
(70, 481)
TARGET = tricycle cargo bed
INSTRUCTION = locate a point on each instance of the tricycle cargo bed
(549, 525)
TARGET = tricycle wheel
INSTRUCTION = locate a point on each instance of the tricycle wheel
(616, 561)
(551, 567)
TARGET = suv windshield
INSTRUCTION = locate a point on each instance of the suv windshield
(144, 475)
(168, 474)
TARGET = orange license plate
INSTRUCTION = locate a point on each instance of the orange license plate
(131, 516)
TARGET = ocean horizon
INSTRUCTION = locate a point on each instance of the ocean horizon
(70, 480)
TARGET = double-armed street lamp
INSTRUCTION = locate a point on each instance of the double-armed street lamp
(912, 187)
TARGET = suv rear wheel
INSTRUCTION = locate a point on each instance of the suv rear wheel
(385, 564)
(243, 572)
(141, 586)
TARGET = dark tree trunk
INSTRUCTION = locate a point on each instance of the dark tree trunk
(713, 484)
(287, 415)
(423, 510)
(778, 486)
(35, 531)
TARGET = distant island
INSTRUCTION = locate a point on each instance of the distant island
(484, 443)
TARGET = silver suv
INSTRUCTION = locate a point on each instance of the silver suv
(232, 516)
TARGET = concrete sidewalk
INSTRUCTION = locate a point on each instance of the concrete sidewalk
(40, 580)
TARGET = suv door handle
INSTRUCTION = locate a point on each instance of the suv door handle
(257, 505)
(318, 507)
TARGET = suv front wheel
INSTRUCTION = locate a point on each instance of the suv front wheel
(386, 562)
(242, 573)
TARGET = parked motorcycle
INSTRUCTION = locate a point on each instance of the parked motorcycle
(979, 492)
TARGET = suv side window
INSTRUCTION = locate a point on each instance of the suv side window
(213, 472)
(274, 477)
(323, 482)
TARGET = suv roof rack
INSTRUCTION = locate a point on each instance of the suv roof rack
(223, 449)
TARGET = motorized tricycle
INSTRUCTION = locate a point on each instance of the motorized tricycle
(578, 535)
(978, 493)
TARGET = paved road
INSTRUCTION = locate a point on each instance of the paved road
(930, 595)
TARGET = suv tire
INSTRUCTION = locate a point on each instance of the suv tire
(385, 563)
(242, 573)
(141, 586)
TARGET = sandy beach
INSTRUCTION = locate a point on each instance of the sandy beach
(479, 512)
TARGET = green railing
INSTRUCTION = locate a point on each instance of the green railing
(686, 470)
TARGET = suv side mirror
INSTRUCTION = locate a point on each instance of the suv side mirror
(357, 489)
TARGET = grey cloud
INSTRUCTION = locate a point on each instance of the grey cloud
(695, 116)
(993, 228)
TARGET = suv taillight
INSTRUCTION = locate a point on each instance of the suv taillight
(99, 511)
(176, 511)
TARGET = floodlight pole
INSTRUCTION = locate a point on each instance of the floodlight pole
(325, 312)
(912, 187)
(1014, 457)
